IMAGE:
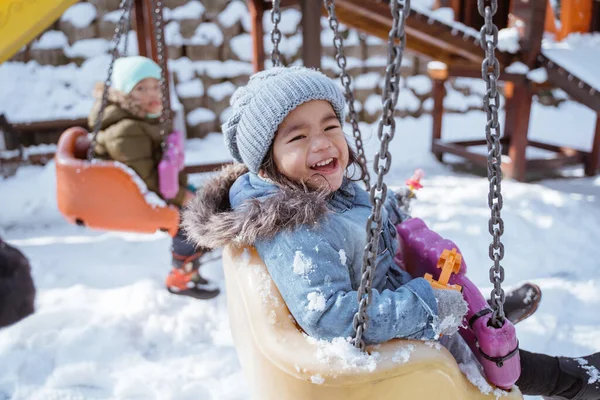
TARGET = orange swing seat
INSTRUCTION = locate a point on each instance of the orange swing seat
(103, 194)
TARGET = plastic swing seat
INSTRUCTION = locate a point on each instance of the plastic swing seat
(281, 364)
(102, 194)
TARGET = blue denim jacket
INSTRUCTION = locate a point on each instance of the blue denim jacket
(317, 269)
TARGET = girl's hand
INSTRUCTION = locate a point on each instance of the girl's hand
(451, 311)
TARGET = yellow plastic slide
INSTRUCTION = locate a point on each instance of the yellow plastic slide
(21, 21)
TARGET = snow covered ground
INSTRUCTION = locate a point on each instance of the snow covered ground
(106, 329)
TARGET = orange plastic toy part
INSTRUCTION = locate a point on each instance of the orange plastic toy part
(101, 194)
(449, 263)
(575, 16)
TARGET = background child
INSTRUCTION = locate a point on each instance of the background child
(130, 133)
(17, 292)
(294, 200)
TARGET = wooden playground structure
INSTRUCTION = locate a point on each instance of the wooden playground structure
(457, 46)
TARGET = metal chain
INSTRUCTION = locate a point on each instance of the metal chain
(126, 33)
(490, 71)
(382, 163)
(340, 57)
(125, 5)
(166, 115)
(276, 33)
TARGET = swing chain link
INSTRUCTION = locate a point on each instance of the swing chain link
(382, 163)
(125, 6)
(276, 33)
(340, 57)
(166, 115)
(490, 71)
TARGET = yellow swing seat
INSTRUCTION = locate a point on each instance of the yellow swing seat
(280, 363)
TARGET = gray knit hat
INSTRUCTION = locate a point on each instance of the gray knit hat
(261, 105)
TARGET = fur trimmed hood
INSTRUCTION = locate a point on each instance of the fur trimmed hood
(211, 222)
(120, 99)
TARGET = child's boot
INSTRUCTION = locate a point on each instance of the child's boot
(185, 278)
(585, 372)
(522, 302)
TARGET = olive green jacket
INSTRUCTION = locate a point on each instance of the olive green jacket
(128, 136)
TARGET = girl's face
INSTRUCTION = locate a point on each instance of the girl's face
(310, 146)
(147, 94)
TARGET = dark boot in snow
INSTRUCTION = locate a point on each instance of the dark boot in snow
(185, 279)
(585, 373)
(521, 302)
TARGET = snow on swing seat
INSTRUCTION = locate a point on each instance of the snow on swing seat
(282, 363)
(106, 195)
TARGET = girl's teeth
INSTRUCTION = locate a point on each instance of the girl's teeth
(323, 163)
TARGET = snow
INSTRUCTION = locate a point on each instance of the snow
(105, 327)
(221, 91)
(340, 353)
(367, 81)
(342, 254)
(112, 16)
(301, 264)
(402, 355)
(538, 75)
(207, 33)
(593, 373)
(191, 10)
(80, 15)
(508, 40)
(517, 67)
(421, 84)
(51, 40)
(241, 45)
(173, 35)
(579, 54)
(232, 14)
(316, 301)
(190, 89)
(199, 116)
(88, 48)
(223, 69)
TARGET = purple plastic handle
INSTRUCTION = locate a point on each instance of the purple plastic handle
(170, 165)
(419, 253)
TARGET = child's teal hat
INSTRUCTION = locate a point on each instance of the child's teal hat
(129, 71)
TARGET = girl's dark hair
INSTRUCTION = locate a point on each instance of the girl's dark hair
(269, 170)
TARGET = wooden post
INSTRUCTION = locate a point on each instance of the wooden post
(437, 114)
(150, 29)
(593, 164)
(311, 33)
(257, 9)
(140, 27)
(518, 140)
(510, 119)
(438, 72)
(533, 16)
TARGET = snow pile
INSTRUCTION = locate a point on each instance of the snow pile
(51, 40)
(340, 353)
(233, 13)
(402, 355)
(508, 40)
(190, 89)
(221, 91)
(302, 265)
(316, 301)
(80, 15)
(579, 54)
(199, 116)
(207, 34)
(343, 257)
